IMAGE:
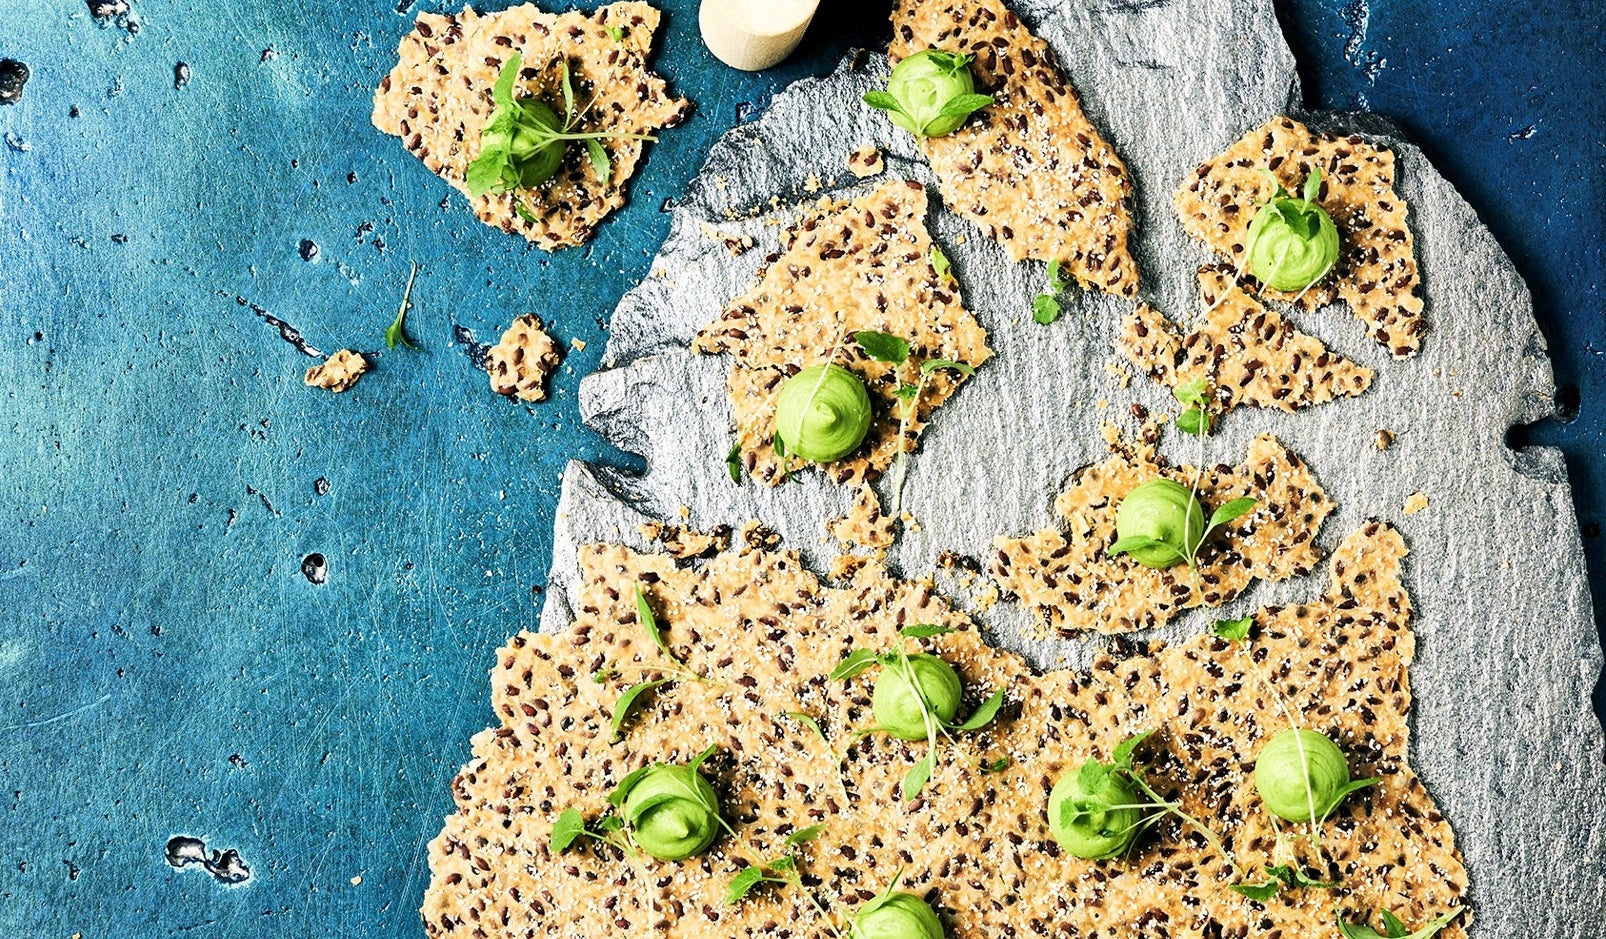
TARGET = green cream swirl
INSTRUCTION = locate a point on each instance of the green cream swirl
(1301, 775)
(924, 84)
(896, 916)
(672, 811)
(896, 702)
(822, 413)
(1291, 244)
(1166, 511)
(1082, 824)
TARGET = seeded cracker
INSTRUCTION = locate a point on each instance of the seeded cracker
(438, 98)
(1064, 577)
(851, 264)
(766, 631)
(1031, 170)
(338, 372)
(865, 525)
(520, 363)
(1248, 354)
(1376, 272)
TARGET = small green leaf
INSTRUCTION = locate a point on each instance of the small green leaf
(599, 160)
(523, 211)
(1193, 421)
(702, 757)
(742, 884)
(1313, 184)
(779, 445)
(733, 463)
(939, 262)
(1138, 542)
(808, 722)
(1092, 775)
(1056, 276)
(856, 661)
(617, 797)
(984, 714)
(1295, 878)
(485, 173)
(502, 91)
(570, 826)
(1228, 511)
(1394, 928)
(882, 347)
(936, 365)
(924, 631)
(918, 776)
(650, 624)
(1392, 924)
(627, 702)
(1122, 757)
(1236, 630)
(882, 101)
(1193, 392)
(1045, 309)
(1262, 892)
(906, 393)
(805, 835)
(996, 766)
(568, 93)
(397, 333)
(615, 33)
(965, 104)
(1354, 785)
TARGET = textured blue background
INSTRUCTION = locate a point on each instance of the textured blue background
(165, 667)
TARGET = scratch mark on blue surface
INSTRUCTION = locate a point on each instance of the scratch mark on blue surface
(61, 717)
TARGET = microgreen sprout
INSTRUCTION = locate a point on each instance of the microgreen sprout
(1046, 305)
(733, 462)
(782, 870)
(523, 143)
(1393, 928)
(930, 93)
(917, 697)
(666, 810)
(1292, 243)
(633, 695)
(396, 334)
(940, 264)
(895, 352)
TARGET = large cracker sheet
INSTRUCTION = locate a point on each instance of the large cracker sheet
(1504, 736)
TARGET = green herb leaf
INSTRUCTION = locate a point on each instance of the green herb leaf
(965, 104)
(608, 824)
(936, 365)
(917, 777)
(650, 624)
(808, 722)
(1313, 185)
(1193, 421)
(984, 714)
(1392, 924)
(939, 263)
(1293, 877)
(805, 835)
(599, 160)
(1138, 542)
(856, 661)
(1228, 511)
(1262, 891)
(906, 393)
(1236, 630)
(502, 91)
(1394, 928)
(924, 631)
(570, 826)
(882, 347)
(996, 766)
(617, 797)
(702, 757)
(615, 33)
(1354, 785)
(743, 883)
(1092, 775)
(733, 463)
(1122, 757)
(568, 93)
(1192, 392)
(627, 702)
(1045, 309)
(1056, 277)
(485, 173)
(882, 101)
(397, 333)
(523, 211)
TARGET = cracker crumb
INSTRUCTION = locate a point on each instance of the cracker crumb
(1415, 502)
(438, 98)
(520, 363)
(1384, 439)
(338, 372)
(356, 881)
(579, 345)
(865, 525)
(866, 161)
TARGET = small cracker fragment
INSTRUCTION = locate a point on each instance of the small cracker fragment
(520, 363)
(1376, 273)
(866, 161)
(338, 372)
(851, 264)
(1415, 502)
(1248, 354)
(1383, 439)
(765, 631)
(1030, 170)
(865, 525)
(683, 543)
(438, 98)
(1065, 579)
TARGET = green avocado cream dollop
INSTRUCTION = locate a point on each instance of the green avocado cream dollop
(1301, 775)
(1292, 243)
(1080, 823)
(822, 413)
(672, 811)
(897, 703)
(933, 89)
(1166, 511)
(896, 916)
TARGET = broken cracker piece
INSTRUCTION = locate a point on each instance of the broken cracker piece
(521, 362)
(1065, 578)
(1376, 273)
(339, 372)
(1415, 502)
(438, 99)
(1248, 354)
(850, 264)
(1030, 169)
(865, 525)
(866, 161)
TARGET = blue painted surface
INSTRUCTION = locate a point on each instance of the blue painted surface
(165, 667)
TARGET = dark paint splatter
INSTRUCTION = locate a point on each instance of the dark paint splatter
(1525, 134)
(13, 75)
(226, 867)
(472, 347)
(321, 486)
(315, 567)
(286, 332)
(181, 74)
(308, 250)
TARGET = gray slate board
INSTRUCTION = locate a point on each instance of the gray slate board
(1503, 733)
